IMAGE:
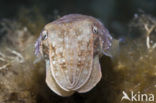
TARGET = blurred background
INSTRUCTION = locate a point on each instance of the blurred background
(115, 14)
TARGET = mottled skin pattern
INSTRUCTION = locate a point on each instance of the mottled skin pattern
(71, 47)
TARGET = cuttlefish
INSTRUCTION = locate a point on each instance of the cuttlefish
(71, 46)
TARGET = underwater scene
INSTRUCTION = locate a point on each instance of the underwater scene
(78, 51)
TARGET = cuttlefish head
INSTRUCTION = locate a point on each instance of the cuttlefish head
(71, 47)
(102, 37)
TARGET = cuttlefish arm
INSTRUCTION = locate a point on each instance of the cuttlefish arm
(52, 83)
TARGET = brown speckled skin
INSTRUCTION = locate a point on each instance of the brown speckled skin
(71, 46)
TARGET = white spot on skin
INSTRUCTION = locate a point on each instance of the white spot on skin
(59, 50)
(53, 43)
(53, 35)
(79, 59)
(61, 60)
(66, 71)
(54, 62)
(79, 38)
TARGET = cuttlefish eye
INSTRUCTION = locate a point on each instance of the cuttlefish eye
(44, 35)
(95, 30)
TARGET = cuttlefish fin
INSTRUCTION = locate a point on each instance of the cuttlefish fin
(53, 85)
(95, 77)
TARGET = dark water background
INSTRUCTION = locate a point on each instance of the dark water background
(115, 14)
